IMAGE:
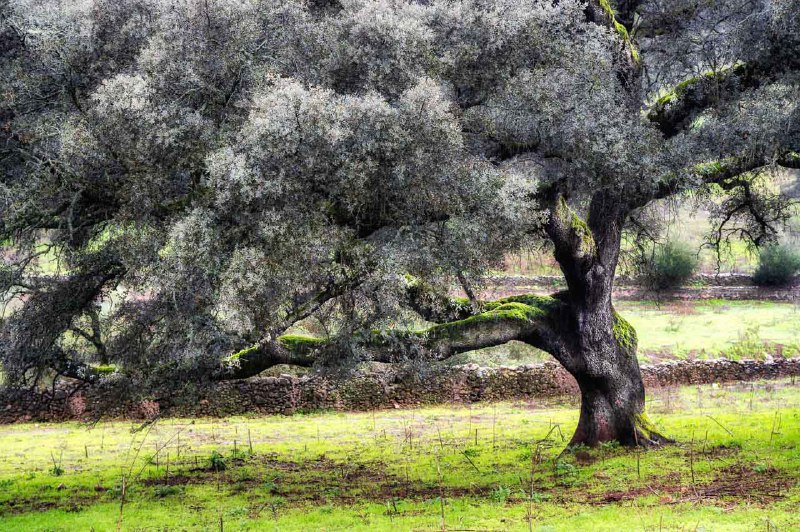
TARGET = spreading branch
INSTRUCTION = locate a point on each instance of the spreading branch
(677, 107)
(674, 110)
(534, 320)
(32, 333)
(701, 175)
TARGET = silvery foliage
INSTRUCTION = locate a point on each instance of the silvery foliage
(754, 116)
(239, 159)
(715, 36)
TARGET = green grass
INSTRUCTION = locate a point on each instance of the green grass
(680, 330)
(714, 328)
(388, 470)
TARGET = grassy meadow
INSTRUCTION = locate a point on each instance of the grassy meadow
(682, 330)
(735, 466)
(714, 328)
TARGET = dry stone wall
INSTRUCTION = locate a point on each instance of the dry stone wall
(381, 388)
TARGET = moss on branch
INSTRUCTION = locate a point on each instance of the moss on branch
(522, 318)
(576, 226)
(298, 342)
(515, 317)
(508, 311)
(105, 369)
(544, 303)
(683, 87)
(288, 349)
(295, 343)
(621, 30)
(713, 169)
(253, 349)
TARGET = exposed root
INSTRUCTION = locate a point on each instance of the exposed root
(650, 438)
(643, 434)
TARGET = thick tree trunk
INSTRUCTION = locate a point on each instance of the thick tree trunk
(600, 344)
(604, 364)
(612, 402)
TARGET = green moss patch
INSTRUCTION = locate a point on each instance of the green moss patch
(624, 333)
(243, 353)
(579, 227)
(299, 341)
(105, 369)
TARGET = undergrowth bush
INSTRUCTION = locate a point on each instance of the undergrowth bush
(671, 266)
(500, 494)
(777, 265)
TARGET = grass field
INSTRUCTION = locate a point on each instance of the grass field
(713, 328)
(681, 330)
(736, 466)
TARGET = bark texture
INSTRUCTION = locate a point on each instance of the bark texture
(612, 392)
(600, 346)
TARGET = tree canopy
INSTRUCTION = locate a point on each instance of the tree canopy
(222, 169)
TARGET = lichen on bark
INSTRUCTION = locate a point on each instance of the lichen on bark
(624, 333)
(578, 228)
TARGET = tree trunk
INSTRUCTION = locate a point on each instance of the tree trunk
(612, 402)
(612, 391)
(599, 345)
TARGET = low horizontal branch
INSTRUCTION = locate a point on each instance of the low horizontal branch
(527, 318)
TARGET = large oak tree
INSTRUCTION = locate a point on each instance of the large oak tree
(221, 170)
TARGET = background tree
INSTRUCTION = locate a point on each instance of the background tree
(221, 170)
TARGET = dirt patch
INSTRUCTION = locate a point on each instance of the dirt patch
(585, 458)
(21, 506)
(680, 308)
(720, 451)
(733, 483)
(327, 481)
(321, 480)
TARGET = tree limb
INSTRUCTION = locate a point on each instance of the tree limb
(575, 248)
(675, 109)
(714, 172)
(534, 320)
(32, 333)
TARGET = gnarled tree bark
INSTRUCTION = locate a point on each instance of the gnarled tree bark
(602, 344)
